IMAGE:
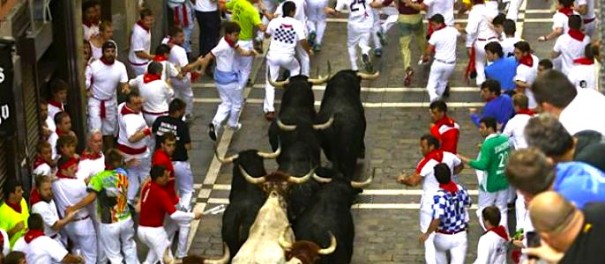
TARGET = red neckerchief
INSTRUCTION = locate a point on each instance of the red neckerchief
(439, 27)
(61, 132)
(140, 23)
(449, 187)
(500, 231)
(576, 34)
(33, 234)
(16, 207)
(104, 61)
(584, 61)
(34, 197)
(526, 112)
(56, 104)
(527, 60)
(159, 58)
(150, 77)
(90, 23)
(436, 154)
(231, 43)
(39, 161)
(566, 11)
(67, 165)
(126, 110)
(91, 156)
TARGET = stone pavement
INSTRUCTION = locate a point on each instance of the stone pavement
(387, 217)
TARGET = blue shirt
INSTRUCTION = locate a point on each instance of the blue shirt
(503, 70)
(501, 108)
(579, 183)
(451, 209)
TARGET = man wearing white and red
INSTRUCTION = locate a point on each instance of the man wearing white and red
(58, 91)
(92, 160)
(155, 92)
(155, 205)
(570, 46)
(443, 43)
(102, 78)
(169, 71)
(39, 248)
(90, 20)
(560, 20)
(515, 126)
(586, 9)
(67, 191)
(43, 163)
(583, 72)
(302, 51)
(41, 202)
(444, 128)
(140, 42)
(493, 244)
(449, 218)
(133, 136)
(527, 71)
(479, 33)
(429, 146)
(183, 16)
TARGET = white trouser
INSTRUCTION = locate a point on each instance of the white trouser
(106, 125)
(316, 18)
(557, 63)
(513, 9)
(376, 27)
(590, 27)
(438, 78)
(171, 227)
(304, 60)
(274, 62)
(520, 211)
(101, 256)
(357, 37)
(232, 98)
(426, 217)
(480, 59)
(497, 199)
(184, 182)
(156, 239)
(139, 68)
(392, 17)
(456, 244)
(82, 234)
(244, 63)
(137, 174)
(119, 236)
(183, 91)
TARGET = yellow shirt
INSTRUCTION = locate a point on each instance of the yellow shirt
(9, 219)
(246, 15)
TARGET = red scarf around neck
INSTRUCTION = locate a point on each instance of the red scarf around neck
(159, 58)
(34, 197)
(89, 155)
(527, 60)
(150, 77)
(61, 132)
(140, 23)
(106, 62)
(436, 154)
(39, 161)
(526, 112)
(584, 61)
(231, 43)
(500, 231)
(576, 34)
(56, 104)
(16, 207)
(127, 110)
(33, 234)
(566, 11)
(91, 22)
(450, 187)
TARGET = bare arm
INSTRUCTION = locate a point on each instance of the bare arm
(143, 55)
(459, 168)
(139, 135)
(411, 180)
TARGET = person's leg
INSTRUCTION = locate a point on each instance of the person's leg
(304, 59)
(110, 245)
(222, 111)
(200, 22)
(87, 238)
(429, 245)
(244, 63)
(444, 77)
(129, 246)
(236, 96)
(480, 61)
(442, 245)
(501, 201)
(458, 249)
(352, 40)
(431, 86)
(273, 73)
(184, 183)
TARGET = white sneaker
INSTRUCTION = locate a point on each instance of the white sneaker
(236, 127)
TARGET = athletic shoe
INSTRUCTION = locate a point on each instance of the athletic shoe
(317, 48)
(378, 52)
(311, 39)
(212, 132)
(381, 37)
(236, 127)
(367, 63)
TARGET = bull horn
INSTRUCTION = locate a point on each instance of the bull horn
(222, 260)
(285, 244)
(270, 155)
(331, 248)
(277, 84)
(361, 185)
(322, 79)
(226, 160)
(321, 179)
(324, 125)
(285, 127)
(366, 76)
(303, 179)
(251, 179)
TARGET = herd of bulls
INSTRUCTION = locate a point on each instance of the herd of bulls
(301, 213)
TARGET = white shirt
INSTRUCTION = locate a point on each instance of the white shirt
(430, 186)
(140, 40)
(205, 6)
(477, 27)
(508, 45)
(41, 250)
(90, 31)
(5, 248)
(444, 41)
(90, 167)
(443, 7)
(52, 138)
(491, 249)
(528, 75)
(178, 57)
(43, 169)
(583, 76)
(102, 79)
(589, 8)
(514, 130)
(299, 13)
(130, 123)
(570, 50)
(361, 16)
(560, 20)
(53, 111)
(156, 94)
(168, 69)
(285, 33)
(67, 192)
(583, 112)
(49, 214)
(225, 56)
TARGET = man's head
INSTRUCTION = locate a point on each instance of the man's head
(162, 49)
(547, 134)
(491, 216)
(43, 108)
(510, 27)
(44, 150)
(428, 143)
(106, 30)
(159, 174)
(544, 65)
(522, 49)
(487, 126)
(109, 51)
(177, 35)
(86, 50)
(95, 142)
(232, 30)
(530, 172)
(134, 101)
(553, 91)
(493, 51)
(15, 257)
(66, 145)
(113, 159)
(168, 143)
(89, 11)
(438, 109)
(557, 221)
(63, 121)
(575, 22)
(443, 174)
(67, 167)
(146, 17)
(490, 89)
(289, 9)
(520, 102)
(58, 90)
(35, 222)
(177, 108)
(565, 3)
(437, 20)
(155, 67)
(44, 187)
(498, 23)
(591, 51)
(13, 190)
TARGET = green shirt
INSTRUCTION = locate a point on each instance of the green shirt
(246, 15)
(111, 187)
(9, 218)
(492, 159)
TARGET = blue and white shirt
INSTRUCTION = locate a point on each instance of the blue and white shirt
(451, 209)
